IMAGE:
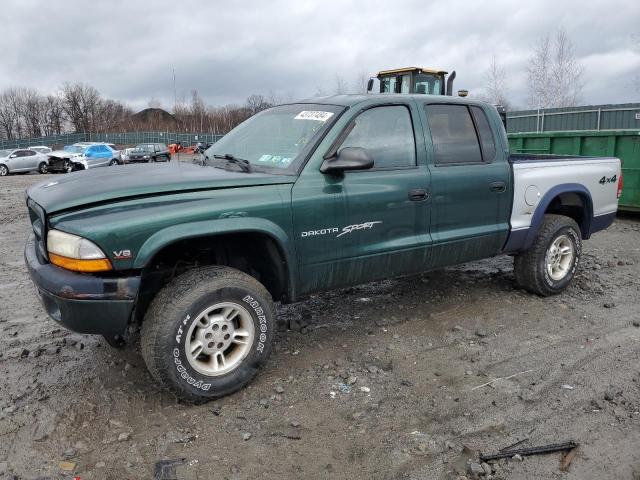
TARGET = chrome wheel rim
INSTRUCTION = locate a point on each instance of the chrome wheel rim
(43, 167)
(219, 339)
(560, 257)
(3, 170)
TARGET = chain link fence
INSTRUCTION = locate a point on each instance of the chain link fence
(120, 139)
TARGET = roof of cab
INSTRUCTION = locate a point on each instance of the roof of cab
(412, 69)
(354, 99)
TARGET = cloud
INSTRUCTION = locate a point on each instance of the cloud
(229, 50)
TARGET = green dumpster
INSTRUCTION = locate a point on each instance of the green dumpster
(624, 144)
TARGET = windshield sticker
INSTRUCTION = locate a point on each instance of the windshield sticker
(314, 115)
(276, 160)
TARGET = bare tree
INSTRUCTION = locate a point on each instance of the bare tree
(257, 103)
(32, 112)
(80, 103)
(496, 84)
(554, 73)
(9, 117)
(636, 78)
(360, 82)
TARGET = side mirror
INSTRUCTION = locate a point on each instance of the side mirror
(349, 158)
(370, 85)
(13, 155)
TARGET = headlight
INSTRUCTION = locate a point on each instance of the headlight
(146, 156)
(75, 253)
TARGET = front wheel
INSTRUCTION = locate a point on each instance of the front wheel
(208, 332)
(548, 267)
(43, 168)
(113, 162)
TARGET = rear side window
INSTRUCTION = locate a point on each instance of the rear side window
(484, 132)
(387, 134)
(453, 134)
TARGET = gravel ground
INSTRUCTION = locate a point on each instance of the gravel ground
(378, 381)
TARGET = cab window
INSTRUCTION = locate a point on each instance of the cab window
(453, 134)
(387, 134)
(428, 84)
(405, 83)
(388, 85)
(487, 142)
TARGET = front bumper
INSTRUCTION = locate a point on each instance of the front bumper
(84, 303)
(57, 164)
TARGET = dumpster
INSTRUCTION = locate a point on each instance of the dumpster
(624, 144)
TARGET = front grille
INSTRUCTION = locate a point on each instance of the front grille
(39, 225)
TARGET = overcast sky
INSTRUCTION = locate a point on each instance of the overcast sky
(228, 50)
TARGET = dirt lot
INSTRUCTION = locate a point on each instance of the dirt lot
(371, 382)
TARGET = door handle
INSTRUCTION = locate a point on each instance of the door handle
(418, 194)
(497, 187)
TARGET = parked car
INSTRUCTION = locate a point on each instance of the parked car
(124, 154)
(22, 160)
(299, 199)
(41, 149)
(150, 152)
(83, 156)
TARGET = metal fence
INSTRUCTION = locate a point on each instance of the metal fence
(120, 139)
(624, 116)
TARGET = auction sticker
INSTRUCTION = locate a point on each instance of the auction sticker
(314, 115)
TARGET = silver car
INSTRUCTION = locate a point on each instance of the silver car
(21, 160)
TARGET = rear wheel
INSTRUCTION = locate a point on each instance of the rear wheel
(43, 167)
(548, 267)
(208, 332)
(4, 171)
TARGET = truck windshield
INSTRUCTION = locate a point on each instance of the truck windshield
(277, 139)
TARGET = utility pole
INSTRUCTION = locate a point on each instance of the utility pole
(175, 95)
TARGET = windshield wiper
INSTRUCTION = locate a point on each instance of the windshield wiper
(244, 165)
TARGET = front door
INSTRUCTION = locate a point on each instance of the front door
(370, 224)
(21, 161)
(470, 184)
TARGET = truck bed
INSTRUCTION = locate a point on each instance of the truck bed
(539, 180)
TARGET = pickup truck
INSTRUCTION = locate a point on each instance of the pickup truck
(301, 198)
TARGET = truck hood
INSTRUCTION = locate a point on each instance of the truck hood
(116, 183)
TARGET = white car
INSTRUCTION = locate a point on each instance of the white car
(41, 149)
(21, 160)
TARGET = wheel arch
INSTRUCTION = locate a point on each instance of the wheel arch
(262, 244)
(570, 199)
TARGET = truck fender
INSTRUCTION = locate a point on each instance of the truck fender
(523, 239)
(184, 231)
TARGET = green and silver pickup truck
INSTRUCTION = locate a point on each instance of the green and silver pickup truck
(301, 198)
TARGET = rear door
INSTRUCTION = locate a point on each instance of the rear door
(470, 184)
(369, 224)
(32, 159)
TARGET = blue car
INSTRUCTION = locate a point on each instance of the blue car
(82, 156)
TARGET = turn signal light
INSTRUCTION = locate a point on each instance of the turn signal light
(79, 265)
